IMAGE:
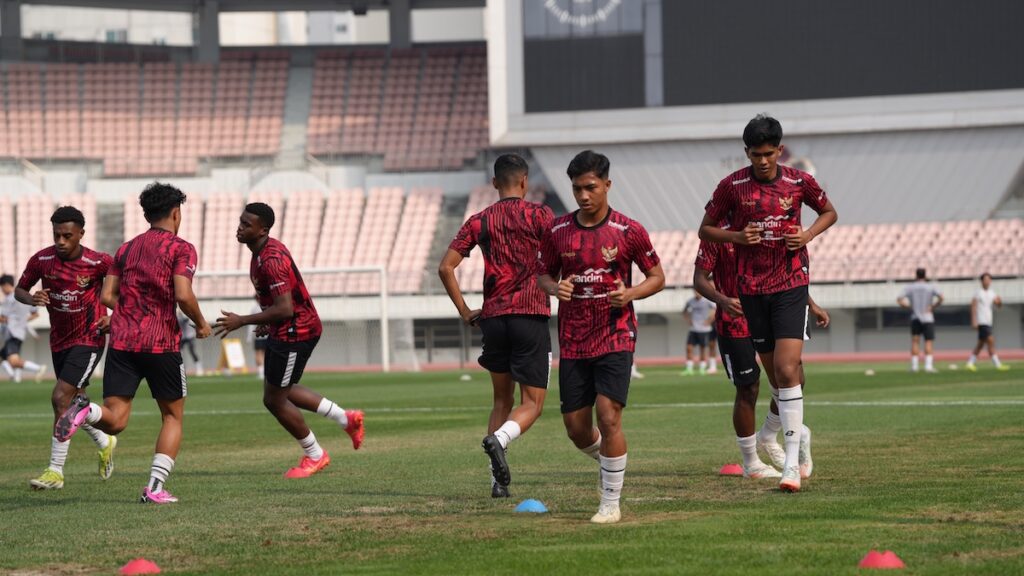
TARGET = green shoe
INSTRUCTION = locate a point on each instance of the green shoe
(107, 458)
(48, 480)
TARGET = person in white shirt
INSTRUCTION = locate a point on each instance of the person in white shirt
(14, 317)
(921, 297)
(981, 318)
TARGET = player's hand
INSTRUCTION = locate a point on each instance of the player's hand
(41, 297)
(262, 330)
(621, 296)
(565, 289)
(471, 316)
(749, 236)
(102, 325)
(796, 238)
(732, 306)
(974, 325)
(204, 330)
(227, 323)
(821, 315)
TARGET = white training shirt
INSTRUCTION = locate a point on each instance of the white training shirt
(17, 316)
(700, 310)
(983, 306)
(921, 296)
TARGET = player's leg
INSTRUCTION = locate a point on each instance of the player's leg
(165, 374)
(576, 396)
(788, 315)
(690, 340)
(351, 421)
(18, 363)
(915, 346)
(929, 340)
(611, 382)
(978, 345)
(530, 365)
(713, 351)
(740, 362)
(990, 343)
(121, 378)
(259, 353)
(196, 360)
(703, 347)
(282, 358)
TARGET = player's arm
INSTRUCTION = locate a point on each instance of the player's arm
(937, 300)
(40, 298)
(820, 314)
(111, 291)
(188, 304)
(703, 284)
(797, 237)
(710, 232)
(282, 309)
(998, 301)
(903, 300)
(711, 317)
(653, 283)
(446, 271)
(974, 312)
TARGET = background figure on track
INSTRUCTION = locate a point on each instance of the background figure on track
(188, 342)
(699, 313)
(15, 316)
(258, 336)
(922, 298)
(981, 318)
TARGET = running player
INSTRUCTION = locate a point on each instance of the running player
(921, 297)
(981, 318)
(15, 316)
(295, 328)
(738, 356)
(514, 317)
(586, 261)
(699, 312)
(72, 277)
(762, 203)
(150, 273)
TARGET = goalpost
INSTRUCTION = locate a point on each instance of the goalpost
(352, 302)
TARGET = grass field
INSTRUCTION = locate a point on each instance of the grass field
(929, 466)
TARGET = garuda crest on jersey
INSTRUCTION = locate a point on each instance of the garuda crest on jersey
(786, 203)
(610, 253)
(82, 281)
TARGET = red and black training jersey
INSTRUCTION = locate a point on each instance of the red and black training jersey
(509, 234)
(720, 260)
(594, 258)
(144, 319)
(273, 272)
(74, 288)
(741, 199)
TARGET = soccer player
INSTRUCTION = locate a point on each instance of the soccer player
(586, 261)
(700, 313)
(258, 336)
(981, 318)
(15, 316)
(188, 340)
(718, 261)
(295, 328)
(514, 317)
(72, 277)
(150, 273)
(762, 204)
(921, 297)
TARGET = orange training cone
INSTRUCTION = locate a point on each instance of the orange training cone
(881, 560)
(139, 566)
(731, 470)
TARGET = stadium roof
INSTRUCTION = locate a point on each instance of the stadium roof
(257, 5)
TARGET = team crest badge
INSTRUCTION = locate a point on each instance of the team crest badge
(610, 253)
(82, 281)
(786, 203)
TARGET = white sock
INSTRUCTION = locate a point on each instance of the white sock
(914, 363)
(713, 363)
(159, 471)
(594, 450)
(7, 368)
(748, 448)
(612, 472)
(32, 366)
(58, 454)
(703, 364)
(508, 432)
(970, 361)
(332, 411)
(995, 360)
(772, 425)
(928, 362)
(259, 370)
(98, 436)
(199, 368)
(311, 447)
(95, 413)
(791, 412)
(689, 364)
(17, 374)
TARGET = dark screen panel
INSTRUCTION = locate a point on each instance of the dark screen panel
(584, 73)
(747, 51)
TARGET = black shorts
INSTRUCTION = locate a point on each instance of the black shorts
(984, 332)
(713, 335)
(581, 380)
(917, 328)
(11, 348)
(285, 361)
(259, 344)
(74, 365)
(520, 345)
(776, 316)
(740, 360)
(163, 371)
(698, 339)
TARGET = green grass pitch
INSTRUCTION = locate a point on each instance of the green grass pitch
(929, 466)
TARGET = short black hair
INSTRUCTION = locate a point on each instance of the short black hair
(159, 199)
(508, 168)
(68, 214)
(263, 211)
(589, 161)
(6, 280)
(762, 129)
(983, 274)
(920, 274)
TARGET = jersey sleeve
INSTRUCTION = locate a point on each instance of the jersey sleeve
(814, 196)
(115, 264)
(721, 202)
(185, 260)
(707, 256)
(548, 260)
(106, 261)
(465, 240)
(641, 250)
(276, 273)
(31, 274)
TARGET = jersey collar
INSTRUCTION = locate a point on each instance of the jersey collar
(575, 220)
